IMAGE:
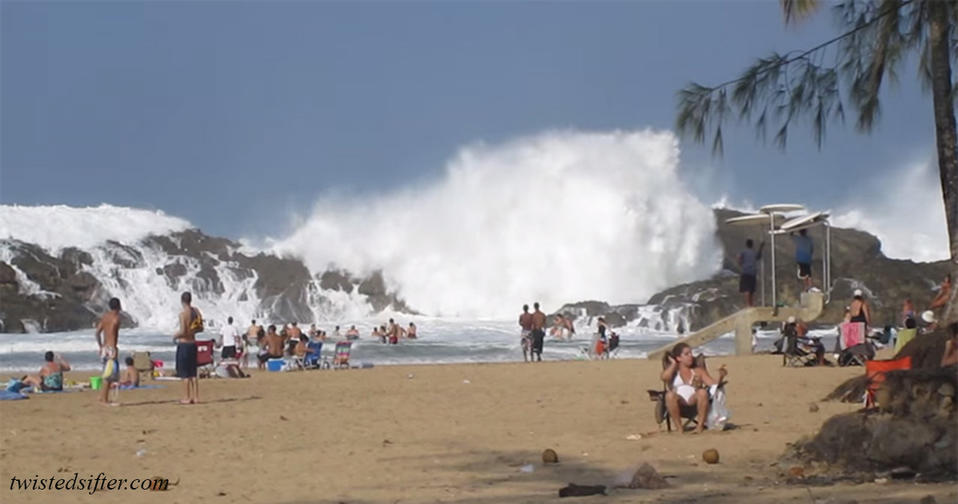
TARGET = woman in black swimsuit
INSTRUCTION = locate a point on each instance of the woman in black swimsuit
(859, 309)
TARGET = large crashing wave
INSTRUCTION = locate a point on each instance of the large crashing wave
(556, 217)
(59, 226)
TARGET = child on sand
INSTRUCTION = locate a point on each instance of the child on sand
(130, 378)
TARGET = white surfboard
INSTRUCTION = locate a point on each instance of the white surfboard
(781, 208)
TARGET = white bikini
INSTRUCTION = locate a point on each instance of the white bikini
(684, 390)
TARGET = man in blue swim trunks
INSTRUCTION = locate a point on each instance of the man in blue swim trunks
(185, 340)
(109, 327)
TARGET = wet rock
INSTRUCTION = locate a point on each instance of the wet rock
(7, 275)
(336, 280)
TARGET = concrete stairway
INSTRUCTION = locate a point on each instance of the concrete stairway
(742, 321)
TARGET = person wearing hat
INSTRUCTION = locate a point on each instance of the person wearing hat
(859, 309)
(928, 317)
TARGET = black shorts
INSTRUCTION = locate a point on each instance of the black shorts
(229, 352)
(804, 270)
(746, 283)
(186, 360)
(538, 335)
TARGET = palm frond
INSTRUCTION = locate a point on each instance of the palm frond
(782, 89)
(798, 10)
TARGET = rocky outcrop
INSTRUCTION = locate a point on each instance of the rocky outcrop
(45, 292)
(857, 263)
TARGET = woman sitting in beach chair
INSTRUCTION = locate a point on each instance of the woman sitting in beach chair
(689, 387)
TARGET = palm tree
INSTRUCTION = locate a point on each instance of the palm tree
(815, 84)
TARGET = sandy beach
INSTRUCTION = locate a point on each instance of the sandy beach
(450, 433)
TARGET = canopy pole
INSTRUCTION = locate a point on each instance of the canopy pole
(771, 231)
(828, 262)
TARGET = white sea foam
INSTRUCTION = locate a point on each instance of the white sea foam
(555, 217)
(904, 208)
(59, 226)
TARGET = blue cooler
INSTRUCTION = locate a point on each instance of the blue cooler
(274, 364)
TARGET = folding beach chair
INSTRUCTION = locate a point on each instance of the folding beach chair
(798, 352)
(875, 375)
(341, 361)
(204, 357)
(143, 364)
(689, 414)
(313, 359)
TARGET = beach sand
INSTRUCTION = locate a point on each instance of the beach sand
(444, 433)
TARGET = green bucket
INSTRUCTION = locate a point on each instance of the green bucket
(96, 382)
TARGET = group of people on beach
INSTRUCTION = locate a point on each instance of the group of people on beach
(290, 340)
(532, 335)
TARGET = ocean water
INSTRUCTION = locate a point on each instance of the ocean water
(441, 341)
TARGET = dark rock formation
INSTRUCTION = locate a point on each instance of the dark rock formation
(913, 432)
(62, 303)
(71, 297)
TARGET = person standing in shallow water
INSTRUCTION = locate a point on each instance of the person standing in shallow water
(538, 332)
(525, 322)
(109, 327)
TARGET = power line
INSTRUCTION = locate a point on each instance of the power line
(793, 59)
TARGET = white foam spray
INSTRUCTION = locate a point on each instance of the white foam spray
(555, 217)
(55, 227)
(905, 210)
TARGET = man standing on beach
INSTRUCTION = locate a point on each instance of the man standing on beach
(185, 340)
(109, 327)
(747, 260)
(538, 331)
(525, 322)
(230, 339)
(803, 256)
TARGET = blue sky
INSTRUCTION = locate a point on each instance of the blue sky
(235, 114)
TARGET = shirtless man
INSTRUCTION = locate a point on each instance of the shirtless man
(253, 332)
(411, 332)
(538, 331)
(185, 340)
(944, 294)
(352, 333)
(295, 332)
(525, 322)
(109, 327)
(392, 332)
(270, 343)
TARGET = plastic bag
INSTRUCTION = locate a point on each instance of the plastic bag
(718, 412)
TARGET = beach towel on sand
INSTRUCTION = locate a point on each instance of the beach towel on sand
(6, 395)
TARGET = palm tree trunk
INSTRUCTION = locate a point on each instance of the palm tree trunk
(945, 133)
